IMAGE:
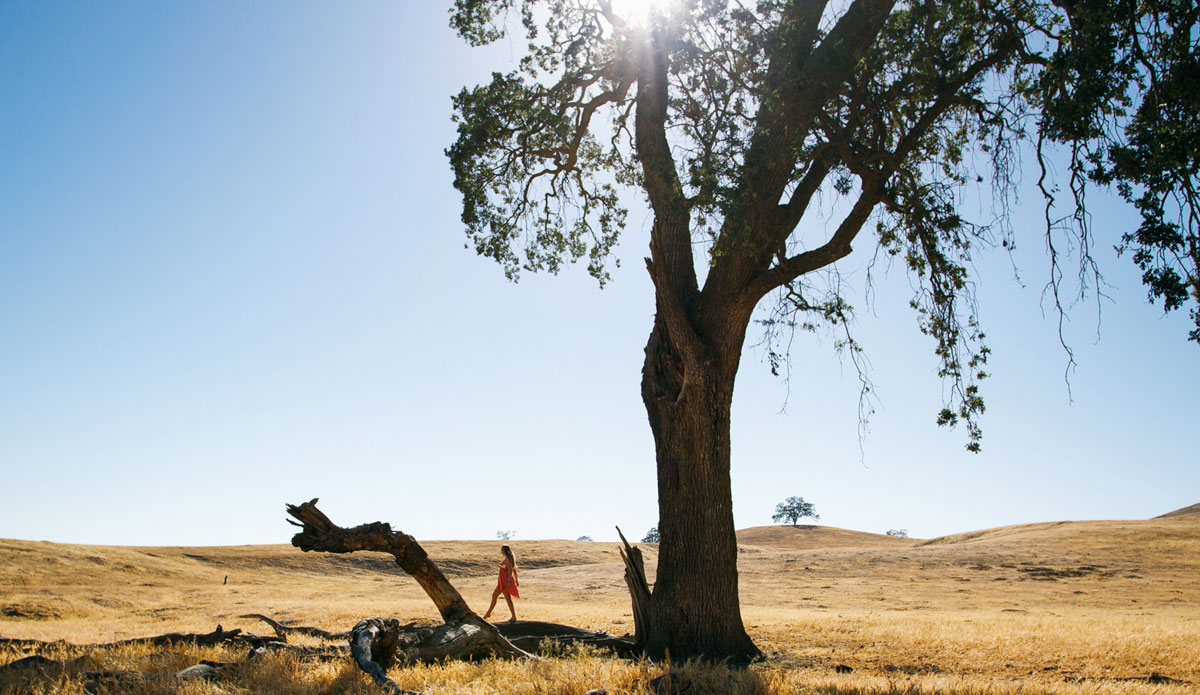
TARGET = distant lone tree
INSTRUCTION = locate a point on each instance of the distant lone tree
(652, 536)
(587, 539)
(769, 140)
(898, 532)
(505, 535)
(793, 509)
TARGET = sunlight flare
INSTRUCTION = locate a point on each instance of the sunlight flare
(640, 11)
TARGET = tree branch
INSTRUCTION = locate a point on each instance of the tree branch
(672, 268)
(874, 178)
(322, 535)
(802, 79)
(837, 248)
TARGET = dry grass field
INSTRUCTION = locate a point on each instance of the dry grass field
(1070, 607)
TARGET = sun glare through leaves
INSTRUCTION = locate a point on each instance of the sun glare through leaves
(640, 11)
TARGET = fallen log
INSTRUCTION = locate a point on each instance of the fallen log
(19, 643)
(530, 634)
(376, 643)
(302, 651)
(465, 635)
(282, 630)
(39, 665)
(525, 634)
(95, 682)
(170, 639)
(120, 680)
(109, 680)
(378, 640)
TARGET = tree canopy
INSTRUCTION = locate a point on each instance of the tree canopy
(747, 119)
(766, 137)
(793, 509)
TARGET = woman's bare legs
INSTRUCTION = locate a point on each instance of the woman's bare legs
(495, 595)
(507, 599)
(513, 611)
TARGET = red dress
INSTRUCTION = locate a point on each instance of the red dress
(507, 582)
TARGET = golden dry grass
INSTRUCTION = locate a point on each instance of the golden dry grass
(1072, 608)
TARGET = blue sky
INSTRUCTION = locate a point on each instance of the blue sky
(232, 275)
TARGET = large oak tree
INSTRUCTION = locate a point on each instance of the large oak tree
(772, 136)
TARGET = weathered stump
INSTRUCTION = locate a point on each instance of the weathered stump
(639, 590)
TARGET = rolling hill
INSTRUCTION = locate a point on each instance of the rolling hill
(814, 537)
(1186, 511)
(1033, 603)
(59, 589)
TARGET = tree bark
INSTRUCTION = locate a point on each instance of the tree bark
(639, 590)
(322, 535)
(373, 645)
(694, 608)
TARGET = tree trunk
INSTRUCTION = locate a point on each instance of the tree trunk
(695, 611)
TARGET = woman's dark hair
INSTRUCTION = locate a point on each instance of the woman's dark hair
(512, 561)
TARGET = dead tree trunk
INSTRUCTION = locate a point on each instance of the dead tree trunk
(377, 642)
(463, 636)
(525, 634)
(322, 535)
(639, 590)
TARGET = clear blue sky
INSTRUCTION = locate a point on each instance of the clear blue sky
(232, 275)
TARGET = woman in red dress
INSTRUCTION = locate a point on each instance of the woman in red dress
(506, 583)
